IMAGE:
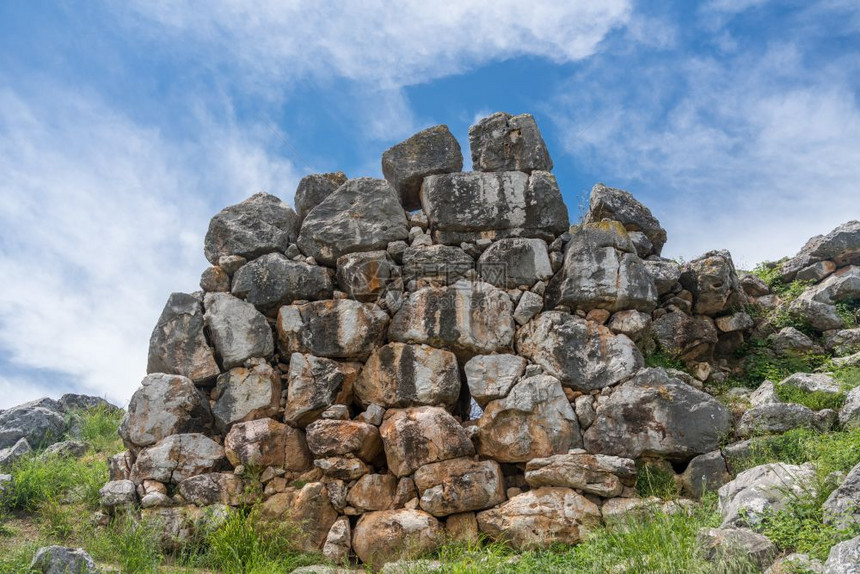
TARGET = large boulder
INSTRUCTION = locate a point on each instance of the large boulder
(841, 246)
(315, 384)
(844, 558)
(736, 546)
(515, 261)
(177, 457)
(540, 518)
(685, 337)
(849, 414)
(39, 425)
(12, 454)
(442, 264)
(118, 494)
(459, 485)
(363, 214)
(417, 436)
(664, 273)
(260, 224)
(63, 560)
(368, 275)
(491, 377)
(390, 535)
(335, 329)
(401, 375)
(762, 489)
(619, 205)
(177, 527)
(308, 509)
(842, 507)
(246, 393)
(777, 418)
(215, 488)
(314, 188)
(265, 442)
(178, 344)
(842, 286)
(602, 271)
(706, 472)
(502, 142)
(334, 438)
(164, 405)
(273, 280)
(373, 492)
(581, 354)
(714, 283)
(656, 414)
(534, 420)
(431, 151)
(239, 332)
(470, 206)
(598, 474)
(467, 318)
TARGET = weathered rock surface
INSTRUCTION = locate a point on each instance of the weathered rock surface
(429, 152)
(391, 535)
(466, 318)
(330, 438)
(502, 142)
(534, 420)
(842, 507)
(244, 394)
(509, 263)
(338, 541)
(39, 425)
(373, 492)
(401, 375)
(655, 414)
(789, 341)
(273, 280)
(214, 488)
(315, 384)
(714, 283)
(118, 494)
(491, 377)
(619, 205)
(688, 338)
(314, 188)
(442, 264)
(842, 246)
(368, 275)
(422, 435)
(778, 418)
(459, 485)
(178, 457)
(265, 442)
(597, 474)
(363, 214)
(164, 405)
(844, 558)
(335, 329)
(239, 332)
(308, 508)
(736, 545)
(541, 517)
(602, 271)
(178, 345)
(581, 354)
(178, 526)
(849, 414)
(664, 273)
(769, 487)
(10, 455)
(706, 472)
(470, 206)
(260, 224)
(63, 560)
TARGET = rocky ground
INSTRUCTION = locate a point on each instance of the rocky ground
(436, 372)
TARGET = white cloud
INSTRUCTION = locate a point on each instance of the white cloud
(102, 218)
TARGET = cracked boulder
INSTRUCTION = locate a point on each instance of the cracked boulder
(178, 345)
(260, 224)
(502, 142)
(714, 283)
(597, 474)
(265, 442)
(841, 246)
(459, 485)
(391, 535)
(315, 384)
(510, 263)
(246, 393)
(619, 205)
(178, 457)
(239, 332)
(314, 188)
(273, 280)
(417, 436)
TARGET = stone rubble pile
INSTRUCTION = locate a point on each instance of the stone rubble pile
(440, 354)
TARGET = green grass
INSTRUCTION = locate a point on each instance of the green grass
(131, 544)
(43, 479)
(663, 360)
(99, 428)
(653, 480)
(847, 377)
(835, 451)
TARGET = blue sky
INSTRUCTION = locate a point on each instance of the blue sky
(124, 126)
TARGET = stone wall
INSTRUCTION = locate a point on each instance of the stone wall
(389, 378)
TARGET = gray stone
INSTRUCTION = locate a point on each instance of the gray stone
(239, 332)
(119, 465)
(164, 405)
(820, 316)
(849, 414)
(63, 560)
(714, 283)
(597, 474)
(621, 206)
(361, 215)
(842, 286)
(765, 488)
(417, 436)
(315, 384)
(466, 318)
(664, 273)
(765, 394)
(373, 492)
(534, 420)
(632, 323)
(705, 473)
(844, 558)
(529, 305)
(753, 285)
(515, 261)
(273, 280)
(314, 188)
(40, 425)
(401, 375)
(816, 272)
(214, 488)
(338, 542)
(327, 438)
(267, 443)
(391, 535)
(244, 394)
(442, 264)
(178, 345)
(335, 329)
(71, 402)
(502, 142)
(688, 338)
(464, 207)
(735, 322)
(459, 485)
(812, 383)
(736, 545)
(602, 271)
(794, 563)
(776, 418)
(368, 276)
(118, 494)
(655, 414)
(429, 152)
(789, 341)
(491, 377)
(641, 244)
(67, 449)
(843, 341)
(214, 280)
(842, 507)
(842, 246)
(581, 354)
(12, 454)
(260, 224)
(177, 457)
(585, 413)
